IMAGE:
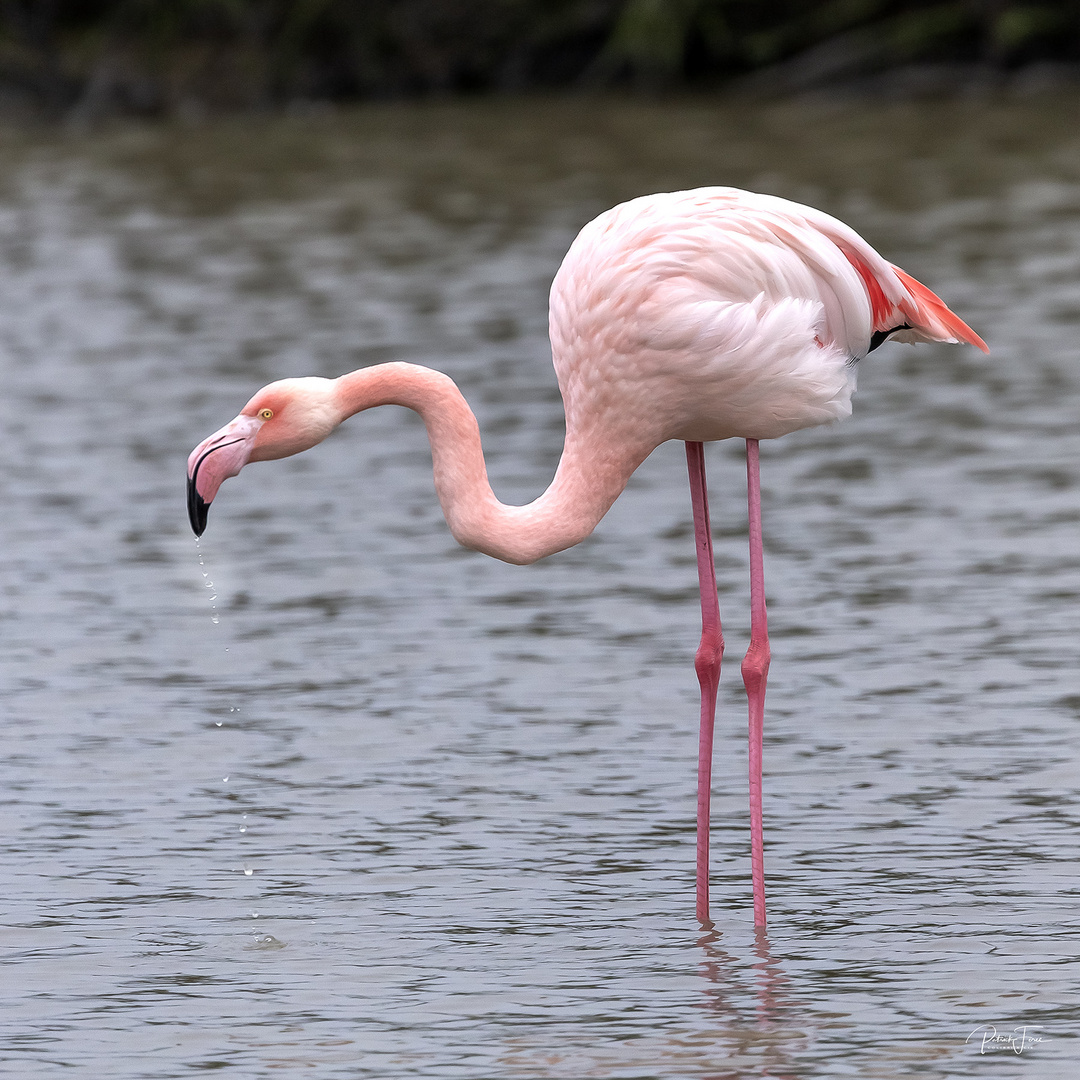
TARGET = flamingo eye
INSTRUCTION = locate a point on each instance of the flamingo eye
(265, 414)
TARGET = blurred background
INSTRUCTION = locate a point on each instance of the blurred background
(156, 57)
(326, 795)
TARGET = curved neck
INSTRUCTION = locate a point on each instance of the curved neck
(592, 472)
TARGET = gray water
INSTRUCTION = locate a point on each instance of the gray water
(386, 808)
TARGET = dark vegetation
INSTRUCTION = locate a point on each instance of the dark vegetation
(96, 57)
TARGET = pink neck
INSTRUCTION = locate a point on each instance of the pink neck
(592, 473)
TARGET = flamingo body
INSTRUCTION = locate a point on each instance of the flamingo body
(694, 315)
(717, 313)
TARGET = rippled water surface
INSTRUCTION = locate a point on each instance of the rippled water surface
(386, 808)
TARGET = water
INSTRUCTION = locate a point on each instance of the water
(405, 811)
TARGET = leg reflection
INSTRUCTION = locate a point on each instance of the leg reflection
(763, 1024)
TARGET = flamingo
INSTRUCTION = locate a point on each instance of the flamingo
(692, 315)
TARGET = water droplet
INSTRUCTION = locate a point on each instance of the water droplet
(243, 828)
(248, 872)
(217, 723)
(210, 585)
(224, 779)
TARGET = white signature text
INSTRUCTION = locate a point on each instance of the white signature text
(1017, 1040)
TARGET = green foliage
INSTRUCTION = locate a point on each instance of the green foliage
(95, 56)
(1016, 27)
(922, 33)
(651, 37)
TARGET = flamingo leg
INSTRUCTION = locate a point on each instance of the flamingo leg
(706, 662)
(755, 672)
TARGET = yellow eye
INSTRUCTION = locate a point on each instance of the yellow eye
(265, 414)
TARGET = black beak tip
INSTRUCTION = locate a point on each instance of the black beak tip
(197, 509)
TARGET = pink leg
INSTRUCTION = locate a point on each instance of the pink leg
(755, 672)
(706, 662)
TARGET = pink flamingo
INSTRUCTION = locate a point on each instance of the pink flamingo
(695, 315)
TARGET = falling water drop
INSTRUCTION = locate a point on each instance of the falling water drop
(213, 596)
(214, 617)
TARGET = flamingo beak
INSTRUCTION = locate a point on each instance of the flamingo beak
(213, 461)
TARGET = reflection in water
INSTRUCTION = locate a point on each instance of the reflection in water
(752, 1026)
(775, 1029)
(469, 786)
(718, 967)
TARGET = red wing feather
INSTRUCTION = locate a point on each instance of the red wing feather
(921, 308)
(932, 314)
(881, 307)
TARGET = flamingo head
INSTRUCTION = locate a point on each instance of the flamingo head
(280, 420)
